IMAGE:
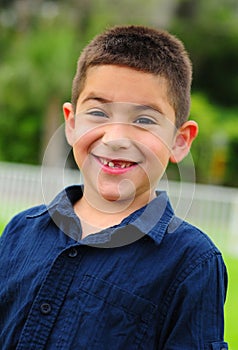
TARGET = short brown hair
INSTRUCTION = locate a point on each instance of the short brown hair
(144, 49)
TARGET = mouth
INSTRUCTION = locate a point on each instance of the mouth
(122, 164)
(116, 164)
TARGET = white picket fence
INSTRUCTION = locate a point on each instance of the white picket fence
(214, 209)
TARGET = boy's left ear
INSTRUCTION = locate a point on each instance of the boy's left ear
(183, 141)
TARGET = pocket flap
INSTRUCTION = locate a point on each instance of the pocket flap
(118, 297)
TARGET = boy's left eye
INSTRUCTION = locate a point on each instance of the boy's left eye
(144, 120)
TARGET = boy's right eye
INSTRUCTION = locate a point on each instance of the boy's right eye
(97, 113)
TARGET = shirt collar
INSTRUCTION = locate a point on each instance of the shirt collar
(155, 217)
(152, 220)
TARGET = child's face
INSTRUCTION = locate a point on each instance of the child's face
(123, 132)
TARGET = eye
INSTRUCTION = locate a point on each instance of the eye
(144, 120)
(97, 113)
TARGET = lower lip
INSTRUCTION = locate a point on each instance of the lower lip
(115, 171)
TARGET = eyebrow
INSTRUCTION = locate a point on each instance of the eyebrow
(137, 107)
(148, 107)
(96, 98)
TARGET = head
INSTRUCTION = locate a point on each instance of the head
(129, 110)
(143, 49)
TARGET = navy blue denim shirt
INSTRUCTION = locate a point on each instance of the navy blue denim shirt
(152, 282)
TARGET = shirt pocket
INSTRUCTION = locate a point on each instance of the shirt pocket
(111, 317)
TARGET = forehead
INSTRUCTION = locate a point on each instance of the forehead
(112, 83)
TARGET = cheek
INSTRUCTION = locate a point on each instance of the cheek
(78, 156)
(84, 142)
(86, 139)
(158, 150)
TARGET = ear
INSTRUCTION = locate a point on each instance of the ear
(69, 122)
(184, 137)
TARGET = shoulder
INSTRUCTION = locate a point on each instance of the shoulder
(194, 258)
(190, 248)
(37, 215)
(21, 224)
(23, 216)
(190, 236)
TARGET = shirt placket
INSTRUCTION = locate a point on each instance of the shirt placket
(49, 300)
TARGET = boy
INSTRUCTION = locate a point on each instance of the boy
(108, 265)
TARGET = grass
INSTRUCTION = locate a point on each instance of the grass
(231, 306)
(2, 226)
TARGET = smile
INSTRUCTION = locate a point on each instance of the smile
(122, 164)
(115, 166)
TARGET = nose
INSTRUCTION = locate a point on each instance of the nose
(117, 136)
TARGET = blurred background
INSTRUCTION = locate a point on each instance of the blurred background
(40, 42)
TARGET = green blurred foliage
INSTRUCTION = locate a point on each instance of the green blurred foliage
(217, 129)
(214, 151)
(232, 164)
(209, 29)
(36, 68)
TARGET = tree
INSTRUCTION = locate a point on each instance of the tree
(210, 32)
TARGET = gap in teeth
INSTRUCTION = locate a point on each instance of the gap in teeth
(119, 164)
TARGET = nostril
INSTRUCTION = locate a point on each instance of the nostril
(114, 140)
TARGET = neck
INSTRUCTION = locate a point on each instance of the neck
(96, 214)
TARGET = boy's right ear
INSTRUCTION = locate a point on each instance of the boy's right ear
(69, 122)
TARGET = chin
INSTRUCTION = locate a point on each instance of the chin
(110, 198)
(113, 196)
(123, 191)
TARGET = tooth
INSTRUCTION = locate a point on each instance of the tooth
(111, 164)
(103, 161)
(123, 165)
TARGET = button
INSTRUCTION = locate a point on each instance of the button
(73, 253)
(45, 308)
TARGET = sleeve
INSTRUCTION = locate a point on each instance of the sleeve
(8, 236)
(16, 282)
(4, 237)
(7, 291)
(195, 320)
